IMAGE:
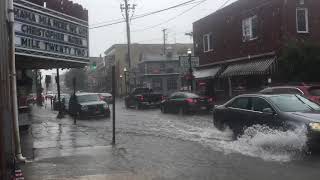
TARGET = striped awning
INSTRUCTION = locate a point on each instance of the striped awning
(254, 67)
(206, 73)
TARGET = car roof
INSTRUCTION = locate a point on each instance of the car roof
(264, 95)
(83, 94)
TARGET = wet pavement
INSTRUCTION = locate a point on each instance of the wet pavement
(152, 145)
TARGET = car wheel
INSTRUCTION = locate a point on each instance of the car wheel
(163, 109)
(221, 126)
(181, 111)
(137, 106)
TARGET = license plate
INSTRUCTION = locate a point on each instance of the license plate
(203, 108)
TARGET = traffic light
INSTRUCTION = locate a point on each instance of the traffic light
(94, 66)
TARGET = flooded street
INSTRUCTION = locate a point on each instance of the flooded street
(152, 145)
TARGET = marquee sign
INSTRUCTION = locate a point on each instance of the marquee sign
(44, 33)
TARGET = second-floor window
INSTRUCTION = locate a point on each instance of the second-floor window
(250, 29)
(207, 42)
(302, 20)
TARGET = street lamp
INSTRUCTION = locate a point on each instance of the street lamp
(190, 70)
(125, 79)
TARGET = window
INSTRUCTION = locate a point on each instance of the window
(241, 103)
(250, 28)
(302, 20)
(157, 84)
(207, 42)
(172, 84)
(259, 104)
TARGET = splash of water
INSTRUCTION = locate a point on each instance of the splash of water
(269, 144)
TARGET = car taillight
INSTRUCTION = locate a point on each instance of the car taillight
(210, 100)
(191, 101)
(141, 98)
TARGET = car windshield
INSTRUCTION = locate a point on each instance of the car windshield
(314, 91)
(294, 103)
(88, 98)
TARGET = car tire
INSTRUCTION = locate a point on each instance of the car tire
(221, 126)
(181, 111)
(163, 109)
(137, 106)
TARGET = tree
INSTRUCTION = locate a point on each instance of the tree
(81, 79)
(300, 62)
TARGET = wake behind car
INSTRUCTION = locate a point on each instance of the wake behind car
(185, 102)
(283, 111)
(88, 105)
(143, 98)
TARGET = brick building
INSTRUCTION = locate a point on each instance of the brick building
(239, 45)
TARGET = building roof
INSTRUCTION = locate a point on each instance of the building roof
(154, 49)
(153, 58)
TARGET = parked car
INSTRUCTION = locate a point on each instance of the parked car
(142, 98)
(185, 102)
(312, 92)
(107, 97)
(88, 105)
(32, 98)
(283, 111)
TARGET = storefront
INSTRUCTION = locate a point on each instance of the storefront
(228, 79)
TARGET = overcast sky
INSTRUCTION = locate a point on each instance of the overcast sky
(108, 10)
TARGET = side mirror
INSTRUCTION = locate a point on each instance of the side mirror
(268, 111)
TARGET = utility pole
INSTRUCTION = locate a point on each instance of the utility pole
(164, 41)
(126, 8)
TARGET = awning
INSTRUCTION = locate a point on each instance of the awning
(255, 67)
(206, 73)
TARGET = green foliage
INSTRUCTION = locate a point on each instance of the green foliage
(300, 62)
(81, 79)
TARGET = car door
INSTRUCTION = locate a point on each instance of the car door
(238, 114)
(261, 115)
(176, 102)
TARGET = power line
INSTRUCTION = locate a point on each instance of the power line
(146, 14)
(168, 20)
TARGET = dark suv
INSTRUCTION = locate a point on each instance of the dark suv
(312, 92)
(87, 105)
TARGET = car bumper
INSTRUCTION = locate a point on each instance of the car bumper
(314, 139)
(94, 113)
(150, 104)
(200, 108)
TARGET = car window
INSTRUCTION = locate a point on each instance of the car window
(259, 104)
(88, 98)
(294, 103)
(241, 103)
(314, 91)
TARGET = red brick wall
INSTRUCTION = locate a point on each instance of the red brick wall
(277, 24)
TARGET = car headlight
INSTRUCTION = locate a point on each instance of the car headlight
(84, 108)
(314, 126)
(105, 106)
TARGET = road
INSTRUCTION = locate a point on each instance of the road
(152, 145)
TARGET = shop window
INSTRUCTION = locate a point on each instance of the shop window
(250, 29)
(172, 84)
(302, 20)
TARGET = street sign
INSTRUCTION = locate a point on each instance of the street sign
(45, 33)
(184, 63)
